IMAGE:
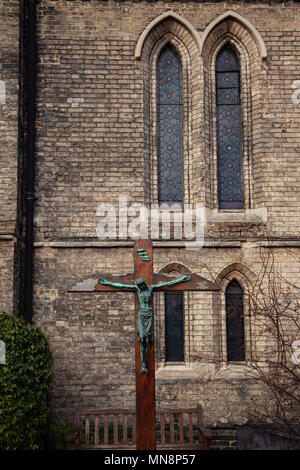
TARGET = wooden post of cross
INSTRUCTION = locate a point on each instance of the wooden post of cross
(145, 381)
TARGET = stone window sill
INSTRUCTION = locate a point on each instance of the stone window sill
(248, 215)
(236, 370)
(176, 371)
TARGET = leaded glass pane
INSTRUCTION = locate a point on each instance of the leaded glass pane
(227, 60)
(235, 322)
(229, 131)
(227, 80)
(169, 111)
(228, 96)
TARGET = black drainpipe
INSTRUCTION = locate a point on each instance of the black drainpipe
(30, 6)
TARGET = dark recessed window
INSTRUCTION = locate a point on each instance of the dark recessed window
(229, 131)
(174, 326)
(169, 115)
(235, 322)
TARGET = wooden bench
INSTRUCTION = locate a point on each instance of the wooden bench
(116, 429)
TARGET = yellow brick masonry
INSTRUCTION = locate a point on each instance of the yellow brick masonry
(95, 142)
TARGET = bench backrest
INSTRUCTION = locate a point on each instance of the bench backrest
(116, 429)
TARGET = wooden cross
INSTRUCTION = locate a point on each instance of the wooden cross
(145, 382)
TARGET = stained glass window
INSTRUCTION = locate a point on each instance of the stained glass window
(235, 322)
(229, 131)
(169, 112)
(174, 331)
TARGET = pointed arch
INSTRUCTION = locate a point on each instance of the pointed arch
(229, 130)
(172, 29)
(238, 270)
(231, 15)
(235, 332)
(169, 106)
(233, 30)
(159, 19)
(175, 267)
(241, 278)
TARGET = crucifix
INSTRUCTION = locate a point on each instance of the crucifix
(143, 282)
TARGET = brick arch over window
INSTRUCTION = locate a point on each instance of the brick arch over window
(172, 29)
(169, 15)
(241, 270)
(175, 267)
(232, 30)
(238, 19)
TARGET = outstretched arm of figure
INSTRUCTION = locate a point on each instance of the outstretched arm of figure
(171, 283)
(116, 284)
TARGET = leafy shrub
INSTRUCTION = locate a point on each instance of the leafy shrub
(64, 434)
(24, 382)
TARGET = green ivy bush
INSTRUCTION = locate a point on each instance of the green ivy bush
(24, 382)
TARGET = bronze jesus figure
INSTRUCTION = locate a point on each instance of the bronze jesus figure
(145, 312)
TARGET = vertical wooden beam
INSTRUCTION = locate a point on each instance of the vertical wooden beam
(77, 427)
(87, 429)
(96, 430)
(145, 383)
(105, 429)
(191, 434)
(116, 437)
(172, 429)
(181, 432)
(125, 428)
(162, 428)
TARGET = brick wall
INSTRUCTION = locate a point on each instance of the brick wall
(9, 74)
(94, 144)
(92, 118)
(92, 335)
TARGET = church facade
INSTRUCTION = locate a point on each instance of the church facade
(118, 105)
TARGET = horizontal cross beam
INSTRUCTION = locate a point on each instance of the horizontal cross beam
(91, 284)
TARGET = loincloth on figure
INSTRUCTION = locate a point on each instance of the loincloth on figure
(145, 324)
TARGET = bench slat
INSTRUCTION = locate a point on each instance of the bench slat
(134, 428)
(87, 429)
(181, 434)
(172, 431)
(191, 437)
(162, 428)
(96, 430)
(115, 429)
(125, 428)
(106, 429)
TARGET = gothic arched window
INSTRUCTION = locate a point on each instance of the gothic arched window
(229, 130)
(169, 116)
(174, 327)
(235, 322)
